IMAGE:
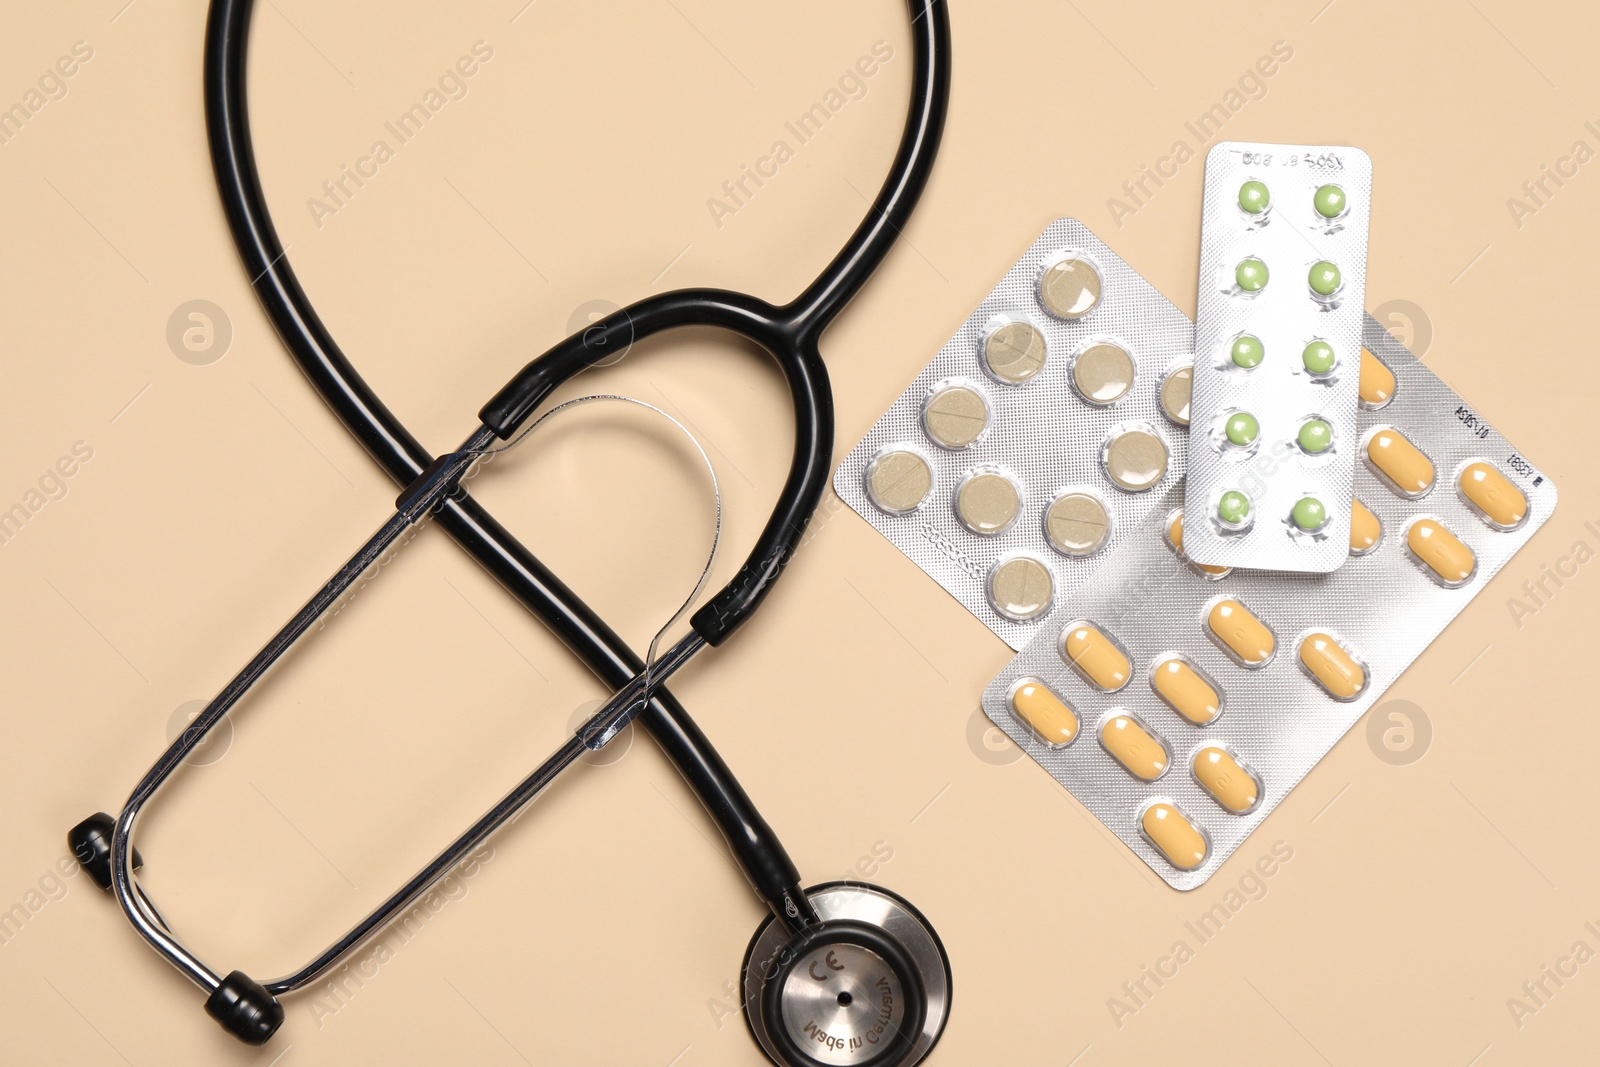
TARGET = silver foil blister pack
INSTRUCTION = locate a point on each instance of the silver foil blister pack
(1037, 438)
(1419, 553)
(1283, 255)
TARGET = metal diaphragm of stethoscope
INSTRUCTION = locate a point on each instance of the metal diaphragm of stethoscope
(841, 973)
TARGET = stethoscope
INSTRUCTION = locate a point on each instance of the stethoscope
(841, 973)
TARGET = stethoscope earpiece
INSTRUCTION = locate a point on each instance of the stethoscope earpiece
(245, 1009)
(866, 986)
(90, 842)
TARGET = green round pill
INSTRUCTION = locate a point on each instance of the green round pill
(1325, 278)
(1241, 428)
(1318, 357)
(1251, 275)
(1233, 507)
(1309, 514)
(1316, 437)
(1254, 198)
(1248, 351)
(1330, 201)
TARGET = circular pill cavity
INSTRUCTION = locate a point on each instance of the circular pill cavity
(1250, 275)
(987, 503)
(1315, 437)
(1330, 201)
(1103, 373)
(1233, 508)
(1021, 588)
(1254, 198)
(1014, 352)
(955, 416)
(1135, 459)
(1247, 351)
(1241, 429)
(1076, 524)
(1324, 278)
(1177, 390)
(1309, 514)
(1070, 288)
(1319, 358)
(898, 481)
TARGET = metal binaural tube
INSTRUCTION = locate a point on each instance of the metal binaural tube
(416, 503)
(594, 733)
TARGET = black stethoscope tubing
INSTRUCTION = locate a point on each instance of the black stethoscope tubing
(432, 486)
(790, 333)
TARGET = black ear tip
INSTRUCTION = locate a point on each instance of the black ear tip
(245, 1009)
(241, 1004)
(90, 842)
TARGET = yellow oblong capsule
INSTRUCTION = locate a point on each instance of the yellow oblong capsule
(1376, 385)
(1246, 637)
(1171, 832)
(1410, 472)
(1049, 717)
(1333, 667)
(1175, 535)
(1366, 529)
(1229, 784)
(1093, 655)
(1185, 691)
(1441, 551)
(1493, 496)
(1131, 745)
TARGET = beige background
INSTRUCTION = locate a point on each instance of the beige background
(608, 924)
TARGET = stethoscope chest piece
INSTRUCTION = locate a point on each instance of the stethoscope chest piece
(869, 986)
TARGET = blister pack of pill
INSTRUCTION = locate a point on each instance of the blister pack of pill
(1181, 703)
(1037, 438)
(1283, 258)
